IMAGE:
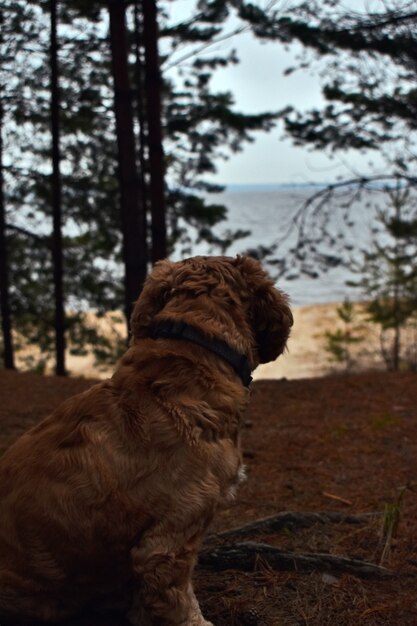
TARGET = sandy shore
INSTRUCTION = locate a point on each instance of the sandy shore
(306, 356)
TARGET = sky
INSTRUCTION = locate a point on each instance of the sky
(258, 84)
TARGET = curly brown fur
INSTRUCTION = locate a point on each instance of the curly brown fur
(106, 501)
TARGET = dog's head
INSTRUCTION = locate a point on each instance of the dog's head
(237, 284)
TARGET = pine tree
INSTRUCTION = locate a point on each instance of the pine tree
(133, 218)
(388, 273)
(14, 36)
(339, 343)
(198, 126)
(57, 249)
(91, 227)
(367, 62)
(371, 70)
(152, 85)
(6, 323)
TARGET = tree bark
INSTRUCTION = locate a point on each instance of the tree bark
(57, 251)
(153, 88)
(132, 214)
(140, 113)
(6, 322)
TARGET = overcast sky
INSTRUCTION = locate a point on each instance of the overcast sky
(258, 84)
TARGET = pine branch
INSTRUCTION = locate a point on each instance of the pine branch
(28, 233)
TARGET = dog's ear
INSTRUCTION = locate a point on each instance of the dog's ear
(270, 315)
(272, 319)
(155, 294)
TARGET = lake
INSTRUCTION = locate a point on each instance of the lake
(268, 213)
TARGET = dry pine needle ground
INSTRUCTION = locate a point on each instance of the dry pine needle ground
(341, 443)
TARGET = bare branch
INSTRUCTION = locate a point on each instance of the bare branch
(247, 556)
(290, 519)
(28, 233)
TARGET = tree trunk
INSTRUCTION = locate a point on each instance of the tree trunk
(153, 85)
(6, 324)
(140, 113)
(132, 214)
(57, 252)
(397, 286)
(397, 332)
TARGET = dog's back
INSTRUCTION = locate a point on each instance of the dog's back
(62, 496)
(112, 494)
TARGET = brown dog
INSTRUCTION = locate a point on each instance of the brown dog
(107, 499)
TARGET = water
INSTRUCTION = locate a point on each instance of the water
(268, 215)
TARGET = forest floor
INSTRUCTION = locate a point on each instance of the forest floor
(345, 443)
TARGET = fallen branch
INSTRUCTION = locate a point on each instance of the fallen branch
(290, 520)
(246, 556)
(333, 496)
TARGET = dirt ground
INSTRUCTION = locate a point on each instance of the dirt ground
(344, 443)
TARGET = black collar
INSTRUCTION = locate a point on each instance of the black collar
(170, 329)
